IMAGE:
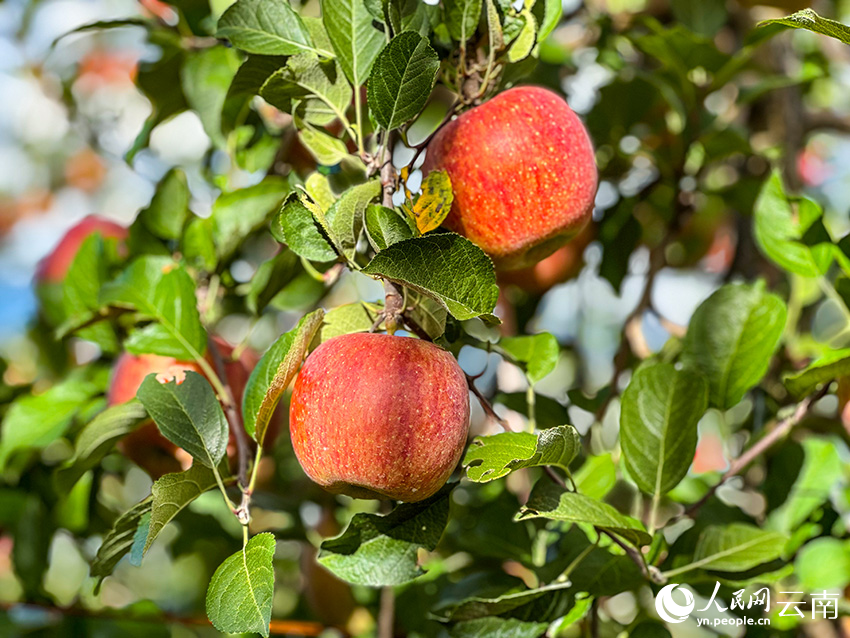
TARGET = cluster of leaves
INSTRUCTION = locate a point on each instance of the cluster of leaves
(744, 358)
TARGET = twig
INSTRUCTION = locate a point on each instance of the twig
(485, 404)
(234, 417)
(736, 466)
(386, 614)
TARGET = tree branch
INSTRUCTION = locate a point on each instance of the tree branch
(738, 465)
(485, 404)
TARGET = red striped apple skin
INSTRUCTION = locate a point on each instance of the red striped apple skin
(379, 416)
(523, 174)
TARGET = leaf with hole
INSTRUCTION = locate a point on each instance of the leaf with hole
(379, 551)
(495, 456)
(188, 414)
(550, 501)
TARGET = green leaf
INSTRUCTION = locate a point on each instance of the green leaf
(596, 477)
(272, 275)
(462, 18)
(385, 227)
(524, 43)
(295, 226)
(82, 283)
(320, 87)
(553, 10)
(822, 470)
(355, 39)
(402, 79)
(343, 320)
(554, 596)
(495, 627)
(736, 547)
(408, 15)
(447, 267)
(119, 540)
(495, 34)
(379, 551)
(159, 289)
(237, 214)
(547, 500)
(434, 204)
(345, 216)
(169, 208)
(253, 73)
(811, 21)
(34, 422)
(266, 28)
(188, 414)
(427, 313)
(206, 77)
(660, 410)
(538, 353)
(173, 492)
(731, 338)
(199, 245)
(274, 372)
(832, 365)
(97, 439)
(823, 564)
(239, 598)
(779, 233)
(492, 457)
(177, 331)
(327, 149)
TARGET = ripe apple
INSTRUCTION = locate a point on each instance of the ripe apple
(379, 416)
(523, 174)
(146, 446)
(54, 267)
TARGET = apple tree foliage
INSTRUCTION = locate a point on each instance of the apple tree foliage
(328, 108)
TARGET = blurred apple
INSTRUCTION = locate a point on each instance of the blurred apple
(54, 267)
(85, 170)
(146, 446)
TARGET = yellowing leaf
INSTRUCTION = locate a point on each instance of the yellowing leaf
(434, 203)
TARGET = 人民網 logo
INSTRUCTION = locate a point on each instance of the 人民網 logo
(669, 609)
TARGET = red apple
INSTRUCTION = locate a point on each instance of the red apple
(379, 416)
(523, 174)
(146, 446)
(54, 267)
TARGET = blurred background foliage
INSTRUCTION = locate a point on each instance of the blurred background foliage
(688, 108)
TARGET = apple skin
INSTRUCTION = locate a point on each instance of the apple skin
(146, 446)
(54, 267)
(379, 416)
(523, 174)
